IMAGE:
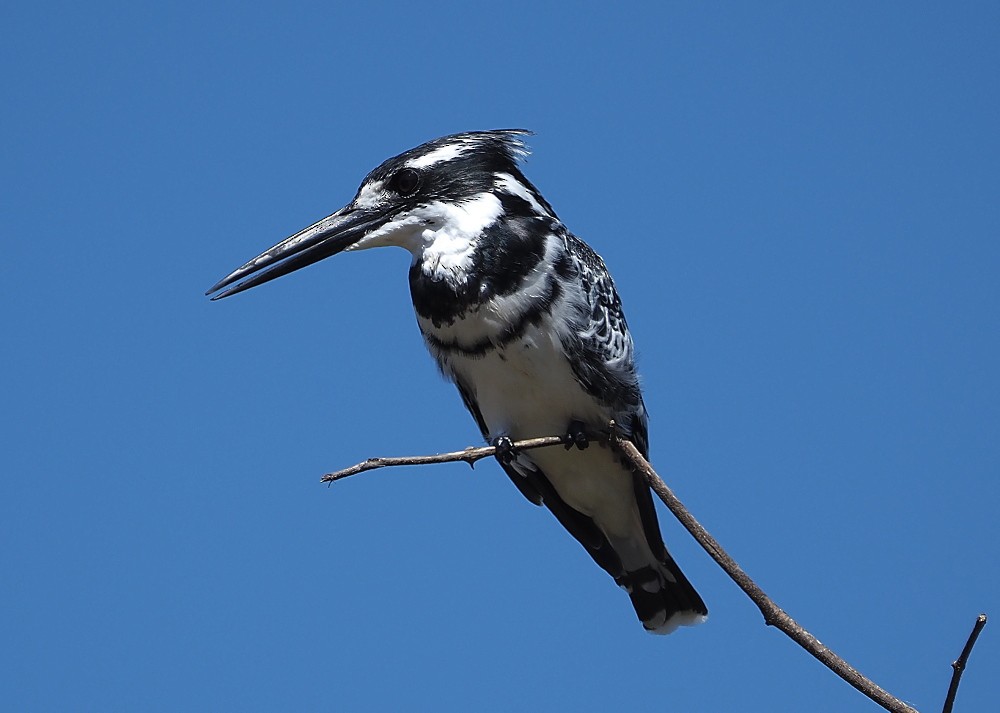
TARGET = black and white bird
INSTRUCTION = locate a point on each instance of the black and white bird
(524, 318)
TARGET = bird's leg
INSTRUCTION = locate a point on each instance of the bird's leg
(506, 453)
(577, 435)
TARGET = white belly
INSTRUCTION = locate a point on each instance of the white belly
(527, 389)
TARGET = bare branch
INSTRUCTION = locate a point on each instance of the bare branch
(959, 664)
(469, 455)
(773, 614)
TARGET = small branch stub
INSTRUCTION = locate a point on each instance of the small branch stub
(959, 664)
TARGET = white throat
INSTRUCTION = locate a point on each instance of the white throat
(441, 237)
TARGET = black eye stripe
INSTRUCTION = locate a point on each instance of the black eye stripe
(406, 181)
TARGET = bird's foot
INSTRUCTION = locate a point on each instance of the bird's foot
(505, 453)
(577, 436)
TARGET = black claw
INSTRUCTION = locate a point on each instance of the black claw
(577, 436)
(506, 453)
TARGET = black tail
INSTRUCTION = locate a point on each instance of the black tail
(663, 598)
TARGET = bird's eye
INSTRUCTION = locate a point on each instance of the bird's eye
(406, 181)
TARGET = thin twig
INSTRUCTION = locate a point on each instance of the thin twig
(469, 455)
(959, 664)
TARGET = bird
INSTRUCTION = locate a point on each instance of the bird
(524, 318)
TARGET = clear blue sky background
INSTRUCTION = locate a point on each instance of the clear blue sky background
(800, 205)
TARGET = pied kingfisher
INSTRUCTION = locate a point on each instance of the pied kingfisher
(523, 317)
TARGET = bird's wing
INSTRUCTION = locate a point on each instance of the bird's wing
(600, 348)
(605, 365)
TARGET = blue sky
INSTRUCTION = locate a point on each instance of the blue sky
(800, 206)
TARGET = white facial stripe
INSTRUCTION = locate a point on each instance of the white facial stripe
(370, 195)
(513, 186)
(402, 231)
(443, 233)
(468, 218)
(443, 153)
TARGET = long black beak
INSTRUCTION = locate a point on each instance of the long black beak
(320, 240)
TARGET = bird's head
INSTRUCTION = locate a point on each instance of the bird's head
(446, 191)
